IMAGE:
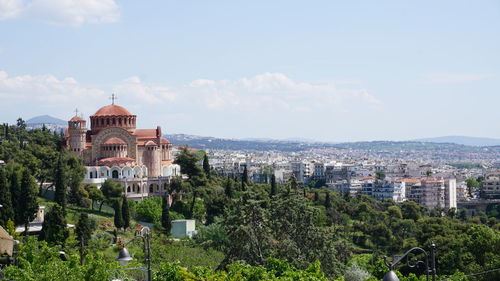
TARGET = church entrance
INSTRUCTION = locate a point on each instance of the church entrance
(114, 174)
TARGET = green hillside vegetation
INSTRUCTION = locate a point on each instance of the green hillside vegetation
(246, 231)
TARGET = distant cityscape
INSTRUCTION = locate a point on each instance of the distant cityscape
(432, 174)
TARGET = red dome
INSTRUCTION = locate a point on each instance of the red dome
(76, 118)
(112, 110)
(114, 141)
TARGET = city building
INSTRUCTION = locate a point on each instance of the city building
(491, 185)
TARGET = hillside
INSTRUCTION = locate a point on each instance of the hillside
(262, 145)
(46, 119)
(473, 141)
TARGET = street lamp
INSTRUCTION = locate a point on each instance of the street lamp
(124, 256)
(391, 275)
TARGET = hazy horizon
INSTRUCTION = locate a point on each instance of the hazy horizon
(324, 70)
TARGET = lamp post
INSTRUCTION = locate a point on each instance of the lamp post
(391, 275)
(124, 256)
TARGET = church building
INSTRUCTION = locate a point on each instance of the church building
(140, 159)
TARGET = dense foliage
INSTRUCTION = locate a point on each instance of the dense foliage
(246, 231)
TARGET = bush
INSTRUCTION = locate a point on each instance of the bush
(149, 210)
(355, 273)
(212, 236)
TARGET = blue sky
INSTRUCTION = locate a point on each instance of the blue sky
(325, 70)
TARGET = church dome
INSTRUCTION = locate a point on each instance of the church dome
(112, 110)
(112, 116)
(76, 118)
(114, 141)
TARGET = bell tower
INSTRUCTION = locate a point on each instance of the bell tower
(77, 129)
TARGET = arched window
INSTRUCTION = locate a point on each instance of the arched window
(128, 188)
(115, 174)
(151, 188)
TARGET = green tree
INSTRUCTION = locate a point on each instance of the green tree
(411, 210)
(75, 174)
(187, 161)
(228, 188)
(328, 201)
(54, 227)
(14, 179)
(294, 185)
(395, 212)
(112, 191)
(20, 123)
(472, 185)
(6, 212)
(38, 261)
(60, 182)
(166, 220)
(28, 204)
(83, 231)
(149, 210)
(118, 218)
(206, 165)
(95, 194)
(125, 213)
(380, 175)
(244, 176)
(274, 187)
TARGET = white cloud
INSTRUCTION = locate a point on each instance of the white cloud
(62, 12)
(454, 78)
(45, 91)
(268, 94)
(271, 91)
(149, 93)
(10, 8)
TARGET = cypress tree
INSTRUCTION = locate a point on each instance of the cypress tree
(54, 227)
(15, 193)
(191, 209)
(293, 183)
(83, 231)
(228, 188)
(166, 220)
(274, 187)
(316, 196)
(244, 177)
(6, 212)
(60, 183)
(118, 219)
(206, 165)
(27, 204)
(328, 201)
(125, 213)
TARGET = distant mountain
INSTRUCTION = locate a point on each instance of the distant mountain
(51, 123)
(46, 119)
(473, 141)
(282, 145)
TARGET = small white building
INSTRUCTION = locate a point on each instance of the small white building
(183, 228)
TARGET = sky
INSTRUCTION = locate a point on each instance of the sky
(324, 70)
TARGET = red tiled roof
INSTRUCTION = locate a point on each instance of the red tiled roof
(409, 180)
(145, 133)
(113, 161)
(112, 110)
(114, 141)
(76, 118)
